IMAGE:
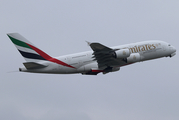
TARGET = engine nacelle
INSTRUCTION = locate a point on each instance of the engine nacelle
(134, 57)
(123, 53)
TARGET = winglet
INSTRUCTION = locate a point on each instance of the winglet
(88, 43)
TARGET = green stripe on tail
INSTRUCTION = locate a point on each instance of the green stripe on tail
(19, 43)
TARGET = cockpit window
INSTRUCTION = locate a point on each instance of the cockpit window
(169, 45)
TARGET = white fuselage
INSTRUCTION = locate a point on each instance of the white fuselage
(84, 62)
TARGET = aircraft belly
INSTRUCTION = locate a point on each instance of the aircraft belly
(154, 54)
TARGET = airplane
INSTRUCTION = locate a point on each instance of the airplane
(101, 59)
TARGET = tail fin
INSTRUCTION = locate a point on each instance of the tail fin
(27, 49)
(30, 52)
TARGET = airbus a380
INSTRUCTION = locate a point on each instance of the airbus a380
(101, 59)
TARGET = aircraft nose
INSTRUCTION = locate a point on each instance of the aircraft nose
(174, 49)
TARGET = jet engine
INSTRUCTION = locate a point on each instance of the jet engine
(134, 57)
(123, 53)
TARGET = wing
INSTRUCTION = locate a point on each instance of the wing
(104, 55)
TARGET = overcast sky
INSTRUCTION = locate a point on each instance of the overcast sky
(142, 91)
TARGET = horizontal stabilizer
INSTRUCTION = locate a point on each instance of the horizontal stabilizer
(33, 65)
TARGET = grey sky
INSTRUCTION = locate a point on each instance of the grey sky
(143, 91)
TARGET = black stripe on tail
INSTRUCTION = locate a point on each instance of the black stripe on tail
(31, 55)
